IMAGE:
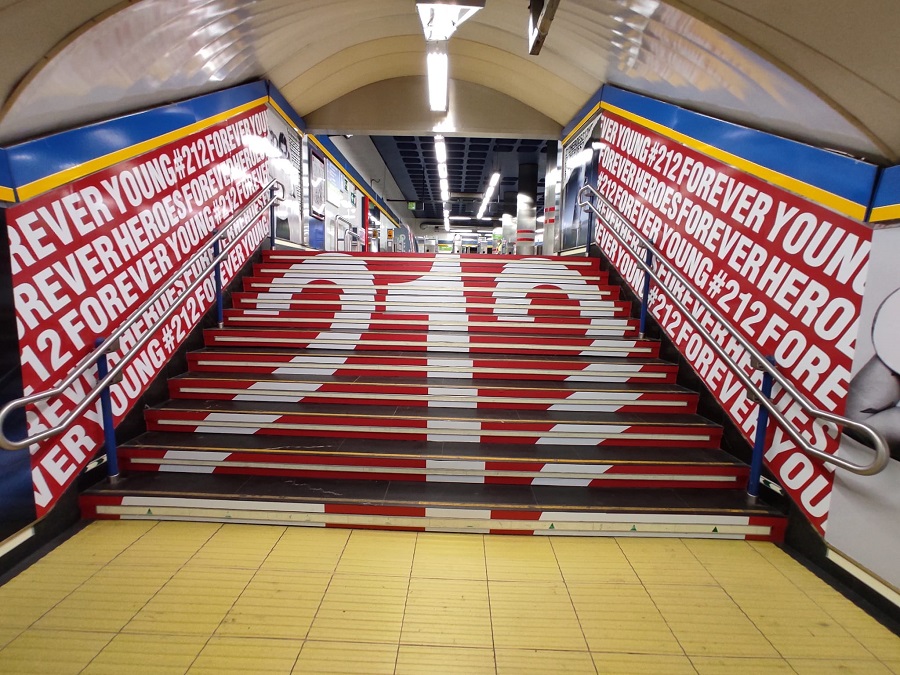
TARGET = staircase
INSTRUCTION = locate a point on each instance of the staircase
(452, 393)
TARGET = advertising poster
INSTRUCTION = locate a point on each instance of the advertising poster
(863, 522)
(789, 274)
(86, 255)
(285, 166)
(579, 169)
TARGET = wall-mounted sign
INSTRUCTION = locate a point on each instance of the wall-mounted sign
(335, 183)
(316, 186)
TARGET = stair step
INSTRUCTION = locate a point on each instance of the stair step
(427, 424)
(443, 272)
(431, 288)
(540, 306)
(495, 366)
(423, 341)
(435, 392)
(507, 509)
(404, 260)
(372, 459)
(380, 321)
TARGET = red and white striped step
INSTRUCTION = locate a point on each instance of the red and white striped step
(436, 393)
(439, 507)
(534, 326)
(386, 364)
(501, 464)
(426, 341)
(425, 424)
(433, 291)
(540, 305)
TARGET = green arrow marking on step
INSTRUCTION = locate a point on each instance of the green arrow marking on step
(634, 528)
(551, 526)
(149, 512)
(715, 530)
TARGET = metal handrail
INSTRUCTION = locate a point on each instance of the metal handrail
(354, 235)
(760, 362)
(111, 342)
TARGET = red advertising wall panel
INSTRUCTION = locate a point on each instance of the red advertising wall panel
(789, 274)
(90, 253)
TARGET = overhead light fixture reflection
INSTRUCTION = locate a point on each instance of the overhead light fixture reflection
(441, 18)
(488, 194)
(442, 171)
(438, 76)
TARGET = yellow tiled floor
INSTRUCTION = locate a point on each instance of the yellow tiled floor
(144, 597)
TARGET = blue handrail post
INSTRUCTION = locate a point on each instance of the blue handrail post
(220, 311)
(109, 427)
(645, 297)
(272, 193)
(759, 441)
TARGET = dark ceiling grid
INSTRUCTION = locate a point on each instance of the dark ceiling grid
(470, 163)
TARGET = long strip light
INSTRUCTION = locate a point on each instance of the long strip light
(438, 76)
(440, 19)
(440, 152)
(488, 195)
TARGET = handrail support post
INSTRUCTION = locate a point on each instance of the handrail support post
(220, 307)
(272, 219)
(109, 426)
(645, 296)
(759, 441)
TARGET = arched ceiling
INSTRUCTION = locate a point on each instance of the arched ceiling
(817, 70)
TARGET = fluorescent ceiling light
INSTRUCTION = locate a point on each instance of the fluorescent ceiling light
(441, 18)
(495, 178)
(438, 79)
(445, 196)
(440, 149)
(442, 171)
(445, 186)
(460, 217)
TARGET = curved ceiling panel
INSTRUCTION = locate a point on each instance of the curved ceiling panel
(129, 60)
(473, 110)
(671, 55)
(820, 70)
(508, 73)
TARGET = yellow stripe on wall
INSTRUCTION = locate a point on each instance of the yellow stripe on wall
(578, 126)
(7, 194)
(882, 214)
(277, 108)
(74, 173)
(811, 192)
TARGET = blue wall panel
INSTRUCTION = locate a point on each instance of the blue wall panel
(109, 142)
(834, 180)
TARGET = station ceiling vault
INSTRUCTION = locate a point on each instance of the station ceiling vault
(817, 70)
